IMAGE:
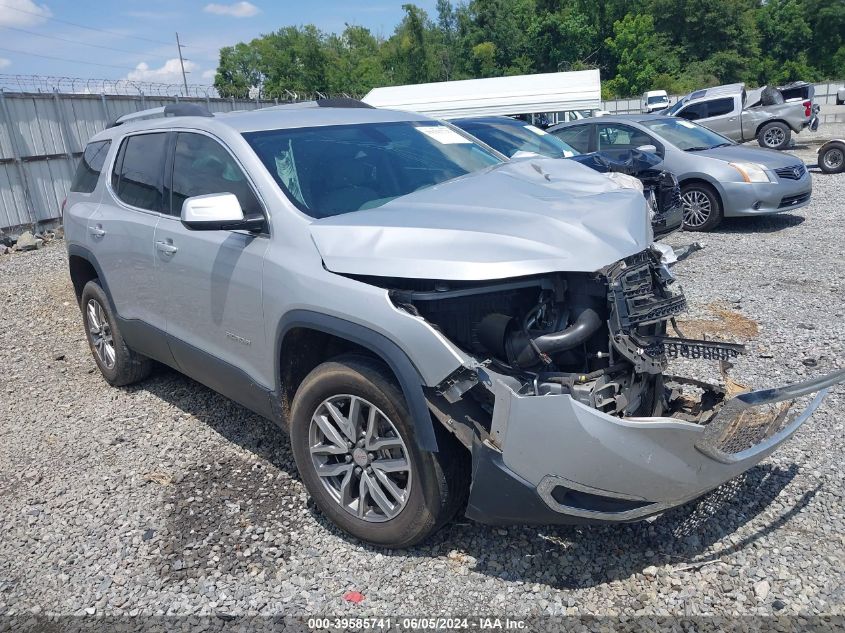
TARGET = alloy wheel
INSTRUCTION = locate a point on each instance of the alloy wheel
(697, 208)
(773, 137)
(101, 334)
(360, 458)
(833, 159)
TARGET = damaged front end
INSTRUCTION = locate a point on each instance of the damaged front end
(568, 408)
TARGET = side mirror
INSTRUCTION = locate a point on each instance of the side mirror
(217, 212)
(652, 149)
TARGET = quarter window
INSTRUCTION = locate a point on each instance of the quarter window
(90, 166)
(137, 174)
(202, 166)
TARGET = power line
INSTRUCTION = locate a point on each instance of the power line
(83, 26)
(70, 41)
(64, 59)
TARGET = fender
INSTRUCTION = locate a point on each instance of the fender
(76, 250)
(409, 378)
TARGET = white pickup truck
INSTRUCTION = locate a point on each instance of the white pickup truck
(739, 115)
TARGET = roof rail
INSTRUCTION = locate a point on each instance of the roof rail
(173, 109)
(342, 102)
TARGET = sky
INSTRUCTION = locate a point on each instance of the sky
(136, 39)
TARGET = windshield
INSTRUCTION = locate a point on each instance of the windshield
(658, 99)
(686, 135)
(509, 137)
(678, 105)
(338, 169)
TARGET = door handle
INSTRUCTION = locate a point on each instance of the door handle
(96, 231)
(167, 249)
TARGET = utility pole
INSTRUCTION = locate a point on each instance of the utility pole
(182, 64)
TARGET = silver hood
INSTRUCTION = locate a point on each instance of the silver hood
(518, 218)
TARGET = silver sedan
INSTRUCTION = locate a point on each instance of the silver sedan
(718, 177)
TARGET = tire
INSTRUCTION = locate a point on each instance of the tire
(832, 159)
(433, 486)
(119, 365)
(774, 135)
(702, 207)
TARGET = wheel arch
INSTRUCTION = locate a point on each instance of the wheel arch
(304, 339)
(765, 123)
(700, 180)
(83, 268)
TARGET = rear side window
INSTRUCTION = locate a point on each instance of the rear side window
(90, 166)
(202, 166)
(577, 136)
(137, 174)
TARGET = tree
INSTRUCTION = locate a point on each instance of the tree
(239, 70)
(641, 55)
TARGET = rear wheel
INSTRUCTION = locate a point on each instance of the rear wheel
(354, 445)
(702, 207)
(774, 135)
(832, 158)
(118, 364)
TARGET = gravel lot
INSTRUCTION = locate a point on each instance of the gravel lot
(166, 498)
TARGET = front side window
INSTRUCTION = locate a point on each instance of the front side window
(338, 169)
(622, 137)
(577, 136)
(137, 174)
(694, 112)
(510, 137)
(203, 166)
(720, 107)
(90, 166)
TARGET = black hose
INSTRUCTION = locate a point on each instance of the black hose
(522, 346)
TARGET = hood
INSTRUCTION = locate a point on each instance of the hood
(518, 218)
(738, 153)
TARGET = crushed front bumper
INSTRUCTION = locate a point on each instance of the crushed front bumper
(551, 459)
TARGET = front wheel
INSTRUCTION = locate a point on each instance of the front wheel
(774, 135)
(702, 207)
(354, 445)
(832, 158)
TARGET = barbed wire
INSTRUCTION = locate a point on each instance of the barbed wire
(77, 85)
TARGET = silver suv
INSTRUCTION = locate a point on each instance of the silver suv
(437, 328)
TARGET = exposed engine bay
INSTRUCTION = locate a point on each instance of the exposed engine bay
(600, 337)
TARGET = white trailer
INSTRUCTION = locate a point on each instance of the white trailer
(520, 94)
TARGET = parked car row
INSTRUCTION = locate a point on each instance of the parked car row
(437, 326)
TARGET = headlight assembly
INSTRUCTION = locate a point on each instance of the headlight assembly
(751, 172)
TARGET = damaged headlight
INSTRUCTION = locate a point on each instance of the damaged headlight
(752, 172)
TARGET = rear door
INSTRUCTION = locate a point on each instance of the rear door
(211, 280)
(121, 230)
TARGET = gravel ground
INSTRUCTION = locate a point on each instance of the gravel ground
(166, 498)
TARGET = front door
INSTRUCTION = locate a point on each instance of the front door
(211, 280)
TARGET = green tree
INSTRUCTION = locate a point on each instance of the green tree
(239, 70)
(641, 55)
(354, 65)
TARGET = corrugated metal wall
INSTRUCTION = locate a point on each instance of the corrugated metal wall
(42, 136)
